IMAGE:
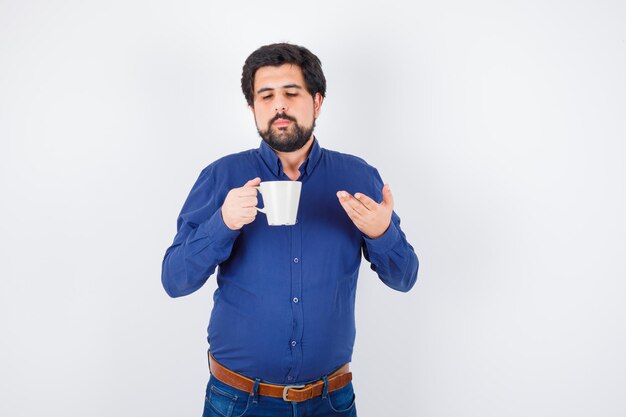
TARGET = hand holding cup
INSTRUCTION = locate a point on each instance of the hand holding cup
(239, 207)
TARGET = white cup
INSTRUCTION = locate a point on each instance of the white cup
(281, 199)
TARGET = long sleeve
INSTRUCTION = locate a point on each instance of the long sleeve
(202, 239)
(392, 257)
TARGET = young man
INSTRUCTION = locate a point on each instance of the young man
(282, 328)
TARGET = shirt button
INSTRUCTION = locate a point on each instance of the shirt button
(293, 343)
(289, 378)
(296, 260)
(295, 299)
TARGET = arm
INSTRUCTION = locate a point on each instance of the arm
(384, 244)
(202, 240)
(392, 257)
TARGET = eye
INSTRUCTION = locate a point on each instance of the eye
(267, 97)
(292, 94)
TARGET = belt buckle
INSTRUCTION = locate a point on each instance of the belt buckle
(287, 388)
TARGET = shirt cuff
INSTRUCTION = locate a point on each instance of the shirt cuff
(217, 229)
(384, 243)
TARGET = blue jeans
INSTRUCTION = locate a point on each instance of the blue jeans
(225, 401)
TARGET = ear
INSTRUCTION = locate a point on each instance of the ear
(317, 104)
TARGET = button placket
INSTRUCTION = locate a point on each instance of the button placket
(296, 306)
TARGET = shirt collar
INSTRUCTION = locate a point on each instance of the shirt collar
(273, 162)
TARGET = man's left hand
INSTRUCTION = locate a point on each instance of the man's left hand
(368, 216)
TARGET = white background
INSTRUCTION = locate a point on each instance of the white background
(499, 125)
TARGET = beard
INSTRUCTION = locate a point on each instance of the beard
(286, 139)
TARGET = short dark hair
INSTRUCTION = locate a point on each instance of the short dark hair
(277, 54)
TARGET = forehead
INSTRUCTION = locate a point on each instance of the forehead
(276, 77)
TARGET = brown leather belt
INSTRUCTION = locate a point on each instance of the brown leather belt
(292, 393)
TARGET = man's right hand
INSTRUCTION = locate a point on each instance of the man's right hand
(239, 207)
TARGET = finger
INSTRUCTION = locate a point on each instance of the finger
(247, 192)
(366, 201)
(346, 196)
(249, 213)
(249, 201)
(253, 182)
(354, 215)
(387, 196)
(344, 200)
(355, 204)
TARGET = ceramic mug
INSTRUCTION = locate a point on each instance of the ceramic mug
(281, 199)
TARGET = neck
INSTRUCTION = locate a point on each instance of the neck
(291, 161)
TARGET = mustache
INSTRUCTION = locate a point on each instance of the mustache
(282, 116)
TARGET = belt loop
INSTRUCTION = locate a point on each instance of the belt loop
(255, 391)
(325, 391)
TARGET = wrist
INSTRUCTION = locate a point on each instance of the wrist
(379, 234)
(227, 222)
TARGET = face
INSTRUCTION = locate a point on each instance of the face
(284, 110)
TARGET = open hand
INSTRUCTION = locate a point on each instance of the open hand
(368, 216)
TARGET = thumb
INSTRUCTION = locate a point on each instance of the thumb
(253, 183)
(387, 196)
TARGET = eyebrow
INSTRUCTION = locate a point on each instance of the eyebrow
(262, 90)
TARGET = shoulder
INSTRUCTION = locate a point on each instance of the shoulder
(350, 161)
(354, 173)
(228, 163)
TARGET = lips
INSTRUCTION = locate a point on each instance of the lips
(282, 122)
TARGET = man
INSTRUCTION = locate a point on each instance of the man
(282, 328)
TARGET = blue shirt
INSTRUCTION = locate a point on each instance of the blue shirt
(284, 307)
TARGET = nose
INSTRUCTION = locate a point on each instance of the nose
(280, 105)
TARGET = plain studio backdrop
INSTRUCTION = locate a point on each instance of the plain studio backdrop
(499, 125)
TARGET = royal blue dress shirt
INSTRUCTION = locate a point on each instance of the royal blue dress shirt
(284, 307)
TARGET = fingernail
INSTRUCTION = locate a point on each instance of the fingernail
(357, 195)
